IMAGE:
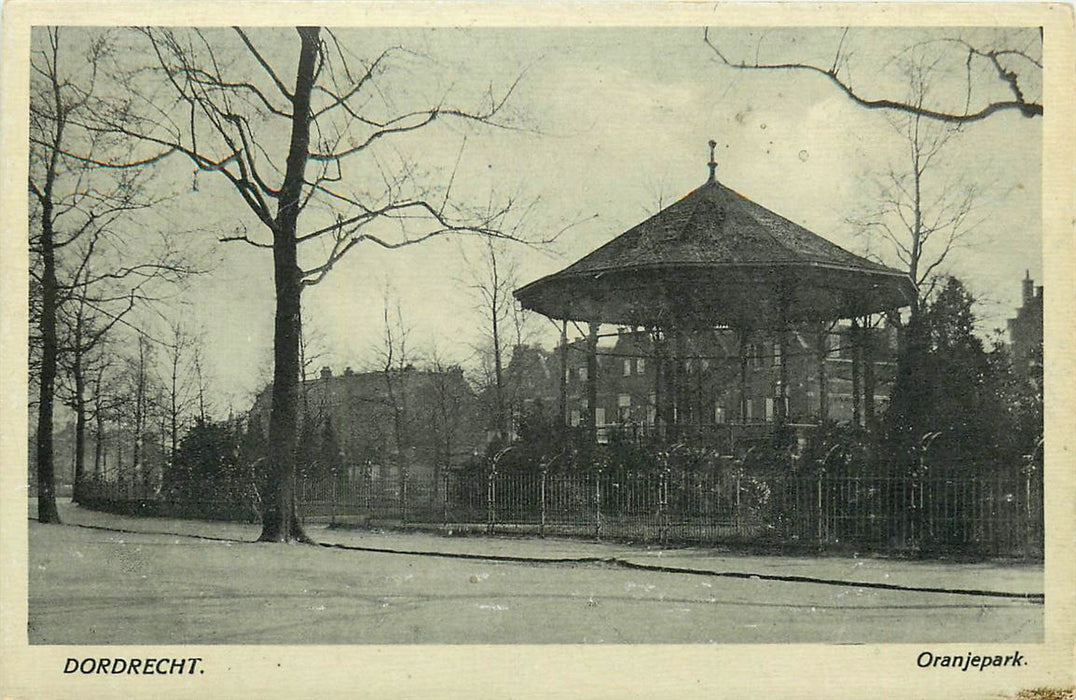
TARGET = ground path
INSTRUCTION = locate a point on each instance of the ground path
(102, 578)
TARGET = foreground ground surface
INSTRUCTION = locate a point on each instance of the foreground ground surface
(104, 579)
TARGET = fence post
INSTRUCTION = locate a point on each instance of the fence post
(1030, 529)
(911, 507)
(541, 491)
(821, 511)
(663, 506)
(598, 505)
(403, 498)
(1027, 492)
(491, 499)
(444, 500)
(332, 520)
(738, 518)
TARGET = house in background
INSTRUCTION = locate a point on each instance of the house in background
(708, 381)
(412, 421)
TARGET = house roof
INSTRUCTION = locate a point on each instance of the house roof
(714, 257)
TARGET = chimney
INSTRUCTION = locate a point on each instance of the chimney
(1029, 287)
(326, 373)
(712, 164)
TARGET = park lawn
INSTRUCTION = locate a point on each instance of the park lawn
(99, 586)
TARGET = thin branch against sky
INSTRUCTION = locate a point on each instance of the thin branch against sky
(612, 110)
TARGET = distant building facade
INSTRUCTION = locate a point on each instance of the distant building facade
(388, 423)
(708, 380)
(1025, 331)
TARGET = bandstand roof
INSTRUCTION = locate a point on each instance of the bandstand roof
(717, 258)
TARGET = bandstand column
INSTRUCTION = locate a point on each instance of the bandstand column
(659, 378)
(680, 384)
(781, 398)
(592, 383)
(853, 335)
(743, 376)
(868, 376)
(563, 374)
(823, 379)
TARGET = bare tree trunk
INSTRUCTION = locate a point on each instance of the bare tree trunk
(399, 422)
(498, 378)
(445, 411)
(137, 468)
(280, 522)
(917, 223)
(119, 449)
(46, 488)
(173, 407)
(201, 384)
(99, 432)
(80, 425)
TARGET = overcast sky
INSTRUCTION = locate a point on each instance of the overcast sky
(618, 120)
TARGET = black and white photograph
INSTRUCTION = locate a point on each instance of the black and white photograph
(595, 334)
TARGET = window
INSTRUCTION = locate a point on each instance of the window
(687, 366)
(582, 374)
(845, 348)
(623, 406)
(755, 352)
(627, 368)
(769, 409)
(576, 418)
(599, 416)
(640, 366)
(704, 365)
(750, 409)
(719, 414)
(776, 354)
(623, 400)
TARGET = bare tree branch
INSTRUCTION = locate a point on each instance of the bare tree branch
(1020, 104)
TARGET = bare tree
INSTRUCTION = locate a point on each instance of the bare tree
(79, 253)
(311, 353)
(82, 334)
(106, 402)
(231, 103)
(1012, 64)
(444, 409)
(493, 279)
(141, 392)
(395, 363)
(183, 387)
(923, 212)
(201, 381)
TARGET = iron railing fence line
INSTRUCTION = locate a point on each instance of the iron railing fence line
(998, 514)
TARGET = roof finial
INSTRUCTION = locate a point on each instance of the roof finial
(712, 163)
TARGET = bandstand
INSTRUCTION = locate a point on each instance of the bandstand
(712, 262)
